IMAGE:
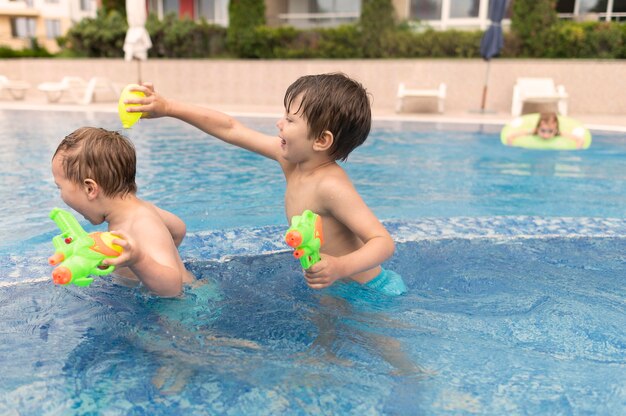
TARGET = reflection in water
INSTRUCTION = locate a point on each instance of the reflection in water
(360, 323)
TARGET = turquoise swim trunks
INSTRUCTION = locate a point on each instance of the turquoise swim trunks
(388, 283)
(196, 305)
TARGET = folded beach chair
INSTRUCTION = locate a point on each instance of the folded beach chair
(17, 89)
(538, 91)
(438, 94)
(78, 90)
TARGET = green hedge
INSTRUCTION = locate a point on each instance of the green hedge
(35, 51)
(103, 37)
(585, 40)
(175, 38)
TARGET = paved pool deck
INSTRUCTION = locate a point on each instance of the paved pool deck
(38, 102)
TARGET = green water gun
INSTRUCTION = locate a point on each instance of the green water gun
(77, 253)
(305, 236)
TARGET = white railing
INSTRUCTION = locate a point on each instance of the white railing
(307, 20)
(319, 16)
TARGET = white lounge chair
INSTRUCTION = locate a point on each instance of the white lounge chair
(78, 90)
(538, 91)
(17, 89)
(439, 94)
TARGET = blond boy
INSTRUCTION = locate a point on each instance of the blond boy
(94, 170)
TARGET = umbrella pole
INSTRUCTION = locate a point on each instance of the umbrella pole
(139, 71)
(484, 99)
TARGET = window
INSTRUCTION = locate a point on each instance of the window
(464, 8)
(170, 6)
(597, 8)
(334, 6)
(85, 5)
(425, 9)
(320, 13)
(565, 6)
(592, 6)
(53, 28)
(206, 9)
(619, 10)
(23, 27)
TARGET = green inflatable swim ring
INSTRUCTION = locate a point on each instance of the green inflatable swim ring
(567, 126)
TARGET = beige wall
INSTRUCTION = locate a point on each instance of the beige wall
(594, 87)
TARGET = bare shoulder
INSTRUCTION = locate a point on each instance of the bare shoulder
(147, 218)
(334, 182)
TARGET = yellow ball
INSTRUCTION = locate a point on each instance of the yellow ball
(128, 119)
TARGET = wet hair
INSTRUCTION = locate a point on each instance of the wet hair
(548, 117)
(105, 156)
(336, 103)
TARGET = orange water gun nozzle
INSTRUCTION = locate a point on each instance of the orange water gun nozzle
(61, 275)
(56, 258)
(293, 238)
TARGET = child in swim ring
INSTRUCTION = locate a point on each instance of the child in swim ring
(547, 128)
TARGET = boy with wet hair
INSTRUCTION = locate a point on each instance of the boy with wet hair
(94, 170)
(326, 117)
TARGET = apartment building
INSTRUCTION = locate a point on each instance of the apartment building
(44, 20)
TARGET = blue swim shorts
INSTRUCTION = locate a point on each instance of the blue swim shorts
(388, 283)
(196, 305)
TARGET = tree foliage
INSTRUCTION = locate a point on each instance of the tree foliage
(531, 22)
(245, 16)
(100, 37)
(378, 24)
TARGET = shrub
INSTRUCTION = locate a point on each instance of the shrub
(377, 24)
(245, 16)
(35, 51)
(99, 37)
(183, 38)
(532, 21)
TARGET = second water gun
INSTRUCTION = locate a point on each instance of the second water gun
(78, 254)
(305, 236)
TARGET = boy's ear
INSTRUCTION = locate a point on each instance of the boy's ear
(91, 188)
(324, 141)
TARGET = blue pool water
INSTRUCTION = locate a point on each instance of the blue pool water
(514, 261)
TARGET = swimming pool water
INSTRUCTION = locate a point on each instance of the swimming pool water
(403, 171)
(514, 261)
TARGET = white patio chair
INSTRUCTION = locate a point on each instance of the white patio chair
(78, 90)
(16, 88)
(538, 91)
(439, 94)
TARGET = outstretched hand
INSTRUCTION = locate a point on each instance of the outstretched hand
(153, 105)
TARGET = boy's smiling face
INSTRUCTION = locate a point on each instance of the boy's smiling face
(293, 129)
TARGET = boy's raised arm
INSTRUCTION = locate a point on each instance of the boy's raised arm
(215, 123)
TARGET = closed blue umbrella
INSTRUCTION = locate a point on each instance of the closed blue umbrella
(492, 41)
